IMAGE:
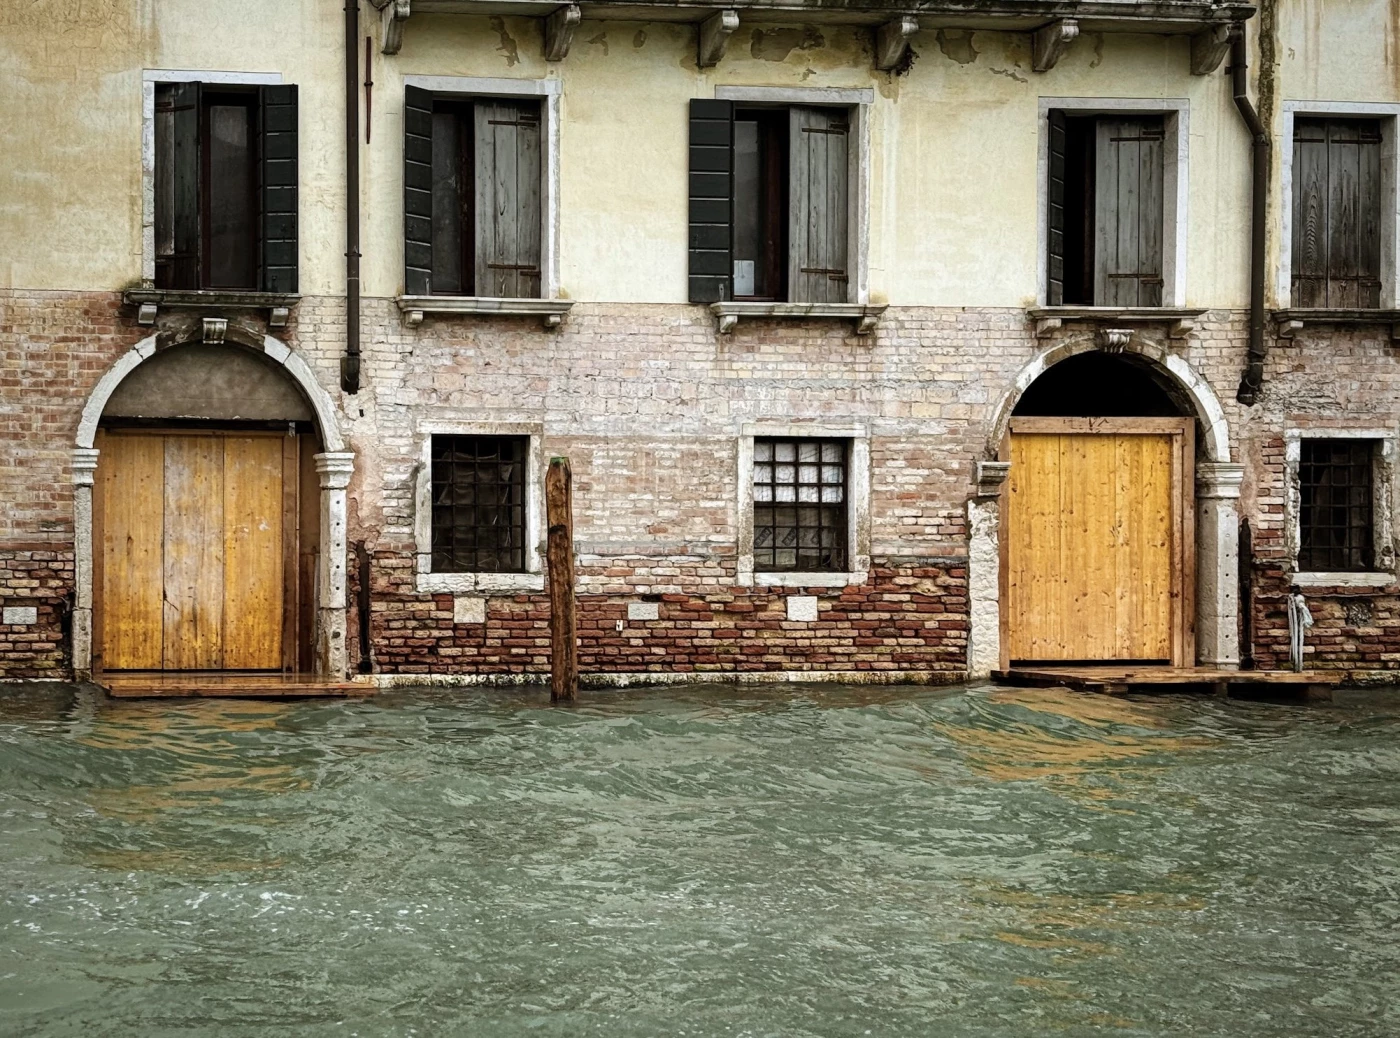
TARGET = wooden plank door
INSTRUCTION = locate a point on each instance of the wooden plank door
(1097, 534)
(192, 568)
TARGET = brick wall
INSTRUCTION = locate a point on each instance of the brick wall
(647, 402)
(36, 589)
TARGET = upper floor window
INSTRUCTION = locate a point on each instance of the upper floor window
(1337, 212)
(770, 202)
(1105, 209)
(473, 179)
(225, 184)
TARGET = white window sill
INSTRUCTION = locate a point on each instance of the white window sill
(865, 315)
(1293, 320)
(550, 311)
(1343, 579)
(1050, 319)
(468, 583)
(809, 579)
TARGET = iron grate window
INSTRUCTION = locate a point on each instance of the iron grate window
(1336, 487)
(479, 504)
(799, 511)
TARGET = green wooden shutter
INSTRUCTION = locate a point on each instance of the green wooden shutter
(278, 183)
(508, 214)
(819, 167)
(1128, 211)
(181, 267)
(1336, 213)
(418, 191)
(1055, 211)
(711, 251)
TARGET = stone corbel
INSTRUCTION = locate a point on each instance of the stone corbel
(396, 14)
(412, 318)
(892, 42)
(991, 475)
(277, 316)
(867, 322)
(1050, 43)
(1114, 340)
(146, 314)
(1289, 329)
(215, 328)
(1208, 49)
(559, 31)
(1181, 329)
(724, 324)
(714, 36)
(1046, 327)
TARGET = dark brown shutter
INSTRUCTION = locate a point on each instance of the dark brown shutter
(1336, 213)
(1128, 211)
(181, 268)
(1055, 211)
(711, 200)
(819, 167)
(278, 158)
(508, 216)
(418, 191)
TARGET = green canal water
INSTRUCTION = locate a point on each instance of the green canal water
(699, 861)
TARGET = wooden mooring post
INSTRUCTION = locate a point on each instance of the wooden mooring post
(559, 555)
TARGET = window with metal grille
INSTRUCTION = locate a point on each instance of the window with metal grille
(479, 504)
(799, 505)
(1337, 496)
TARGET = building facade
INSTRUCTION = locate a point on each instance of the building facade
(851, 320)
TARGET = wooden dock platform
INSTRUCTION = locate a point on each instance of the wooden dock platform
(135, 685)
(1119, 680)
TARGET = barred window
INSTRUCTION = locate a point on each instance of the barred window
(479, 504)
(799, 511)
(1337, 493)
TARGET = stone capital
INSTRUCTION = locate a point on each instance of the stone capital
(1218, 479)
(991, 476)
(84, 465)
(335, 469)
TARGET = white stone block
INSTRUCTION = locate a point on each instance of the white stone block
(643, 611)
(802, 608)
(468, 609)
(20, 616)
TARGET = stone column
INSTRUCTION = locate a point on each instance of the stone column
(984, 569)
(84, 472)
(335, 469)
(1218, 564)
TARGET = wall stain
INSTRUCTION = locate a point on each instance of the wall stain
(777, 44)
(507, 45)
(957, 44)
(639, 40)
(602, 40)
(1009, 75)
(1098, 50)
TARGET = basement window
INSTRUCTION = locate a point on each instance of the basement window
(478, 504)
(1336, 509)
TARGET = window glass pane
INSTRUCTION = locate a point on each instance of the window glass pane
(747, 203)
(799, 510)
(478, 497)
(1336, 495)
(447, 202)
(230, 222)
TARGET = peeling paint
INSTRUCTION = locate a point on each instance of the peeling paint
(1009, 75)
(777, 44)
(601, 40)
(507, 45)
(957, 44)
(639, 41)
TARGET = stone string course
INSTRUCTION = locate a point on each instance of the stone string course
(647, 401)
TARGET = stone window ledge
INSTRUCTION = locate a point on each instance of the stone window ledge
(549, 311)
(1358, 580)
(149, 300)
(801, 580)
(467, 583)
(866, 315)
(1115, 322)
(1291, 321)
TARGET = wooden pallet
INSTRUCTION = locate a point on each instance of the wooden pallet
(247, 686)
(1118, 680)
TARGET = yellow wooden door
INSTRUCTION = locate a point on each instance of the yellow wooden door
(192, 551)
(1095, 540)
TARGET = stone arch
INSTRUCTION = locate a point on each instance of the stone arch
(1214, 433)
(1216, 510)
(334, 465)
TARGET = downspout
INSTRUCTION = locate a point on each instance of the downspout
(350, 365)
(1260, 152)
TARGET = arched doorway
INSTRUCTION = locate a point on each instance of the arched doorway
(1098, 518)
(210, 476)
(1106, 528)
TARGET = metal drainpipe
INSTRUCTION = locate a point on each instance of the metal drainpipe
(1261, 151)
(350, 365)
